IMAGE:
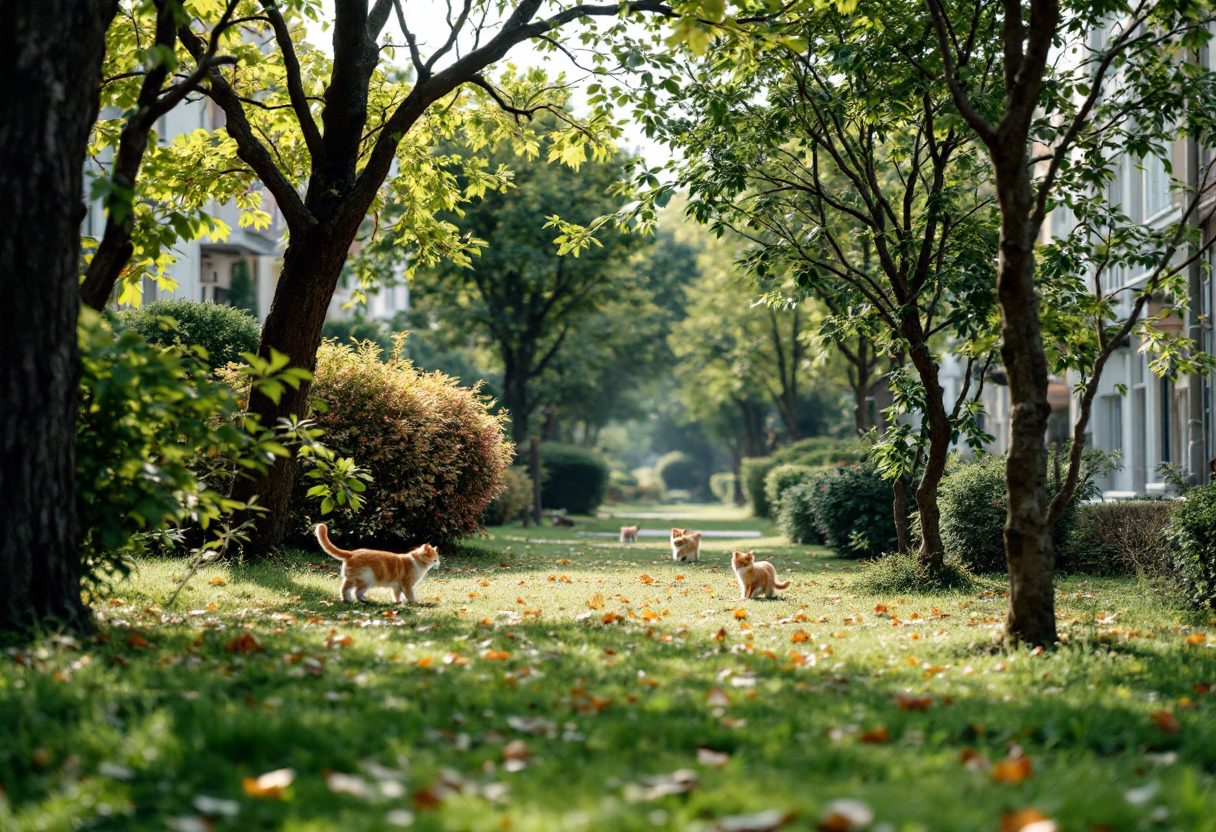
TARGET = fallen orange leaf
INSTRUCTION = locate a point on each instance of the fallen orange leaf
(740, 613)
(498, 655)
(1167, 722)
(596, 602)
(876, 736)
(244, 643)
(455, 658)
(720, 635)
(879, 609)
(1012, 771)
(270, 784)
(1019, 820)
(1196, 638)
(800, 636)
(136, 640)
(218, 582)
(911, 702)
(611, 618)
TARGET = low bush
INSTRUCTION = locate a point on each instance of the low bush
(437, 454)
(852, 508)
(781, 478)
(894, 574)
(722, 486)
(223, 331)
(515, 499)
(1193, 532)
(680, 472)
(972, 503)
(821, 452)
(752, 472)
(1120, 538)
(796, 516)
(157, 439)
(575, 479)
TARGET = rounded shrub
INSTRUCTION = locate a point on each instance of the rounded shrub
(752, 472)
(722, 486)
(1193, 532)
(223, 331)
(796, 516)
(894, 574)
(436, 454)
(782, 478)
(515, 499)
(1120, 538)
(972, 503)
(575, 479)
(853, 510)
(821, 452)
(680, 472)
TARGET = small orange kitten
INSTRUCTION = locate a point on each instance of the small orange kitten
(629, 534)
(685, 546)
(363, 569)
(755, 577)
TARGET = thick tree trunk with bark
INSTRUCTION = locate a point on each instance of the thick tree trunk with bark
(1028, 543)
(515, 392)
(932, 550)
(50, 59)
(312, 266)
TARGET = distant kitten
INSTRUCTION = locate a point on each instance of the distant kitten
(685, 546)
(629, 534)
(363, 569)
(755, 577)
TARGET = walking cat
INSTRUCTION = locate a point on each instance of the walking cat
(363, 569)
(755, 577)
(685, 546)
(629, 534)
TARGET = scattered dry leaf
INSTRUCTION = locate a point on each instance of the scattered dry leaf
(1012, 771)
(912, 702)
(766, 821)
(845, 816)
(1196, 638)
(243, 643)
(876, 736)
(1027, 820)
(1167, 722)
(269, 785)
(709, 757)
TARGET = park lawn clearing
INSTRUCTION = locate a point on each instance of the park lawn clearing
(580, 684)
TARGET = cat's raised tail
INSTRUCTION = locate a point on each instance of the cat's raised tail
(330, 548)
(781, 585)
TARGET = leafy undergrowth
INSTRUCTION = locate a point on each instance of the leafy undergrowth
(583, 685)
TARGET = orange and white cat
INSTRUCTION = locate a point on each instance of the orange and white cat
(363, 569)
(629, 534)
(685, 545)
(756, 578)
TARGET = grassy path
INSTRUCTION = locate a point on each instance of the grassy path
(505, 701)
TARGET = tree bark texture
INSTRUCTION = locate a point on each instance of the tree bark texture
(50, 58)
(1028, 543)
(932, 550)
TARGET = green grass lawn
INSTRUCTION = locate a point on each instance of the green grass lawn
(503, 701)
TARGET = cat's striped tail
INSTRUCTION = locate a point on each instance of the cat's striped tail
(330, 548)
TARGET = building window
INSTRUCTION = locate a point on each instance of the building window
(1113, 405)
(1156, 186)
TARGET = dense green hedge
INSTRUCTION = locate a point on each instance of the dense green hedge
(752, 472)
(224, 332)
(782, 478)
(1119, 538)
(820, 453)
(1193, 532)
(436, 454)
(852, 509)
(575, 479)
(515, 499)
(972, 503)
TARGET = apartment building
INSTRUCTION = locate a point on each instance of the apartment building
(1146, 419)
(243, 268)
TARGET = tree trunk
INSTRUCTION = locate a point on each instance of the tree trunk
(50, 59)
(899, 507)
(515, 392)
(312, 265)
(1028, 544)
(932, 551)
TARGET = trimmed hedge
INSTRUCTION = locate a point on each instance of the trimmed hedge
(796, 517)
(753, 471)
(1121, 538)
(437, 455)
(783, 477)
(515, 499)
(853, 510)
(972, 503)
(223, 331)
(722, 486)
(575, 479)
(1193, 532)
(680, 472)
